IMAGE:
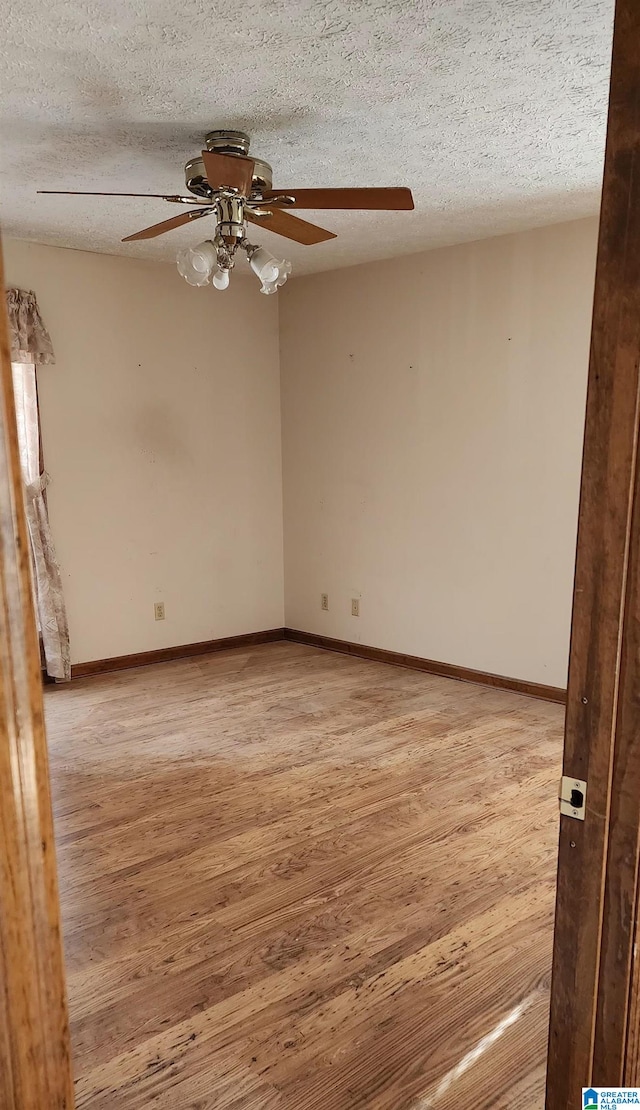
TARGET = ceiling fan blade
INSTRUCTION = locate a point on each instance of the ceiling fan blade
(168, 225)
(390, 200)
(230, 171)
(283, 223)
(174, 198)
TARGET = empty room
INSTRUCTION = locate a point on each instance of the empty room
(301, 486)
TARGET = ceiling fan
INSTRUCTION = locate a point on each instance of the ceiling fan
(236, 189)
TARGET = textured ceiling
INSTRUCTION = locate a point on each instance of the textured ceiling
(492, 111)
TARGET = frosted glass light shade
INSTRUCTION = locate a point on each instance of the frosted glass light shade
(196, 264)
(273, 272)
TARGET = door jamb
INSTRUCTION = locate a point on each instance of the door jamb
(35, 1060)
(593, 965)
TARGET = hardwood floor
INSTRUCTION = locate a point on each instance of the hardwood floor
(293, 880)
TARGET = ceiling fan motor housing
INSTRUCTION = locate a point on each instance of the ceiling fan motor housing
(230, 220)
(235, 144)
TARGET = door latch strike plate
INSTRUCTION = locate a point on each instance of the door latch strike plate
(573, 797)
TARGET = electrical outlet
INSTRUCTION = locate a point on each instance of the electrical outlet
(355, 607)
(324, 601)
(158, 610)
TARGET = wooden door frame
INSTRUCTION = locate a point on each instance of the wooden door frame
(35, 1064)
(594, 1010)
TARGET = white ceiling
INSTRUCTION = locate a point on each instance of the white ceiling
(492, 111)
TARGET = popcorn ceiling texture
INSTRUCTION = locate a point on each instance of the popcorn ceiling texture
(492, 111)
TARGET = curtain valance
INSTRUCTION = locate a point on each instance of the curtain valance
(30, 340)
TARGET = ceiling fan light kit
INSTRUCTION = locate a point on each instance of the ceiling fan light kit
(212, 261)
(236, 190)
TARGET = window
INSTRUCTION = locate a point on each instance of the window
(48, 600)
(28, 420)
(31, 347)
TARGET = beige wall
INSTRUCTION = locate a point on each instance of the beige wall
(162, 437)
(432, 420)
(432, 428)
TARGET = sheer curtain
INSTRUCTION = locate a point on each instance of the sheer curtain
(30, 346)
